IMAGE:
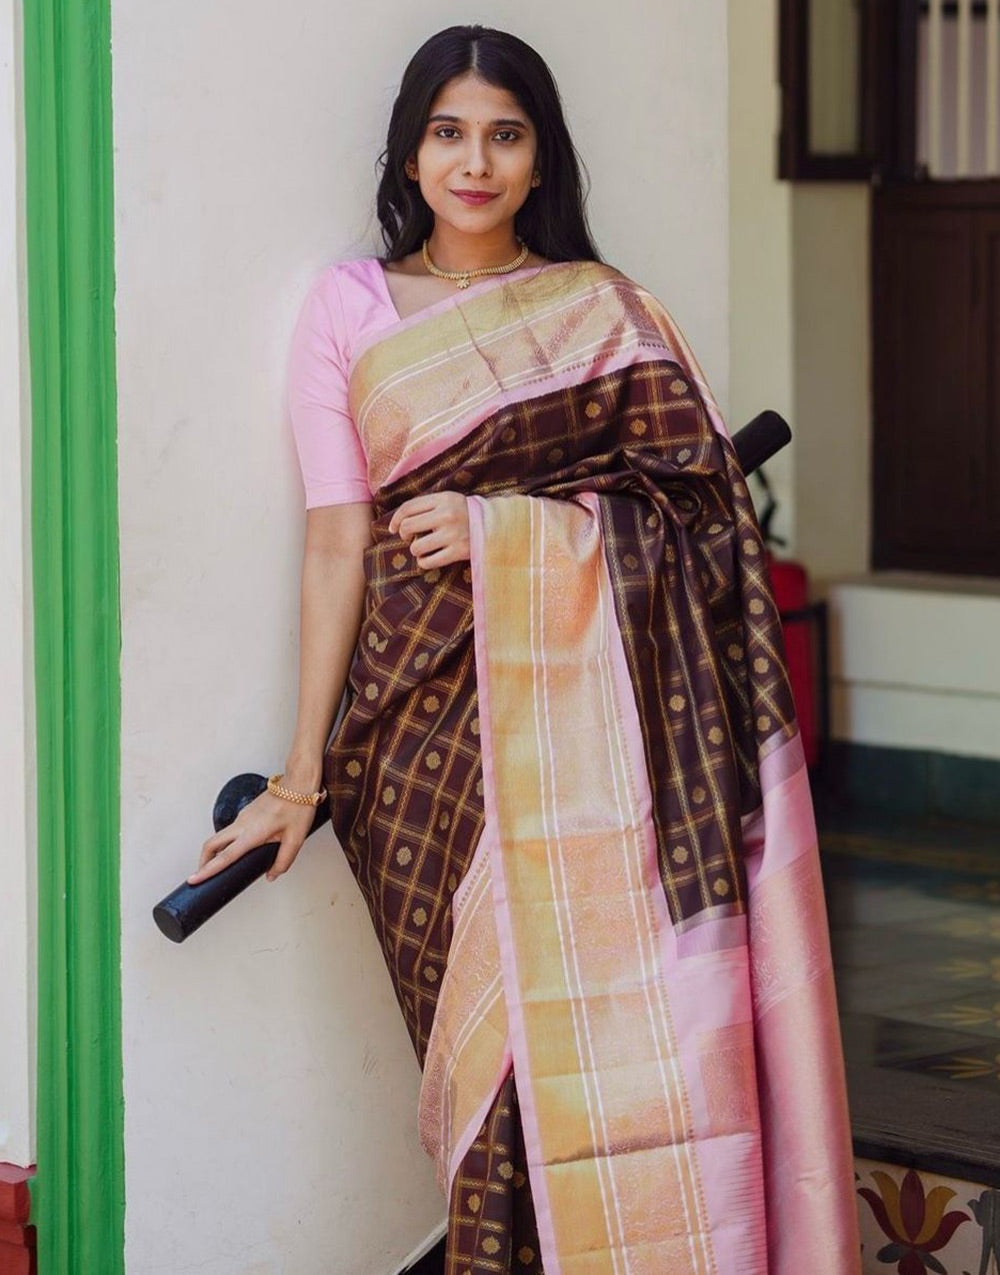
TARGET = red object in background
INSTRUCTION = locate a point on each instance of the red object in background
(17, 1235)
(790, 587)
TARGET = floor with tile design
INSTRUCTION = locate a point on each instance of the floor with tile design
(915, 931)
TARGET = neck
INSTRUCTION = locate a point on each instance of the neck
(451, 249)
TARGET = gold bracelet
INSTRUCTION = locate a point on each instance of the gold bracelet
(302, 798)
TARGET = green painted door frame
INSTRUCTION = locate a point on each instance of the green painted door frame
(78, 1195)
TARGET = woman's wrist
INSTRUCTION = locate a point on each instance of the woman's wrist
(303, 774)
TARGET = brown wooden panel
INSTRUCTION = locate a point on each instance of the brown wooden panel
(936, 410)
(985, 479)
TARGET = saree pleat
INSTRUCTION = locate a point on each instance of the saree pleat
(570, 785)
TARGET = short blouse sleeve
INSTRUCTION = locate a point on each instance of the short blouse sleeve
(331, 458)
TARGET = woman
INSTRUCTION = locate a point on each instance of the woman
(568, 778)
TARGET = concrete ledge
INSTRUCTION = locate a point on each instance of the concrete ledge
(914, 662)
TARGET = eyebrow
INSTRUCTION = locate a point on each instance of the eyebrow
(455, 119)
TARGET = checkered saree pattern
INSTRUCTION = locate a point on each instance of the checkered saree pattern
(703, 646)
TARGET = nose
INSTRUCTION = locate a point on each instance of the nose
(476, 162)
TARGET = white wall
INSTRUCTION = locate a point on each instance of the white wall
(831, 357)
(799, 314)
(270, 1087)
(913, 662)
(761, 320)
(17, 746)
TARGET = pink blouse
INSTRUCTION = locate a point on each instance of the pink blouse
(347, 300)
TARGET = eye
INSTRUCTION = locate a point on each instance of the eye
(512, 135)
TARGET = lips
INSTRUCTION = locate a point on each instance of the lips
(474, 196)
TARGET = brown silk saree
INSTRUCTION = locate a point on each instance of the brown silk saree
(570, 785)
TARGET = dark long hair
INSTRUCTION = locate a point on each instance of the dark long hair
(551, 220)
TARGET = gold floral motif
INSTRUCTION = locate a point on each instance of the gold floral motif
(474, 726)
(430, 973)
(433, 575)
(452, 882)
(677, 702)
(751, 547)
(403, 856)
(763, 722)
(678, 386)
(519, 1178)
(721, 887)
(353, 768)
(399, 560)
(651, 520)
(371, 690)
(761, 665)
(679, 854)
(734, 651)
(388, 795)
(554, 454)
(715, 528)
(473, 1203)
(479, 787)
(698, 794)
(372, 638)
(593, 409)
(716, 735)
(491, 1245)
(433, 760)
(420, 659)
(525, 1254)
(506, 1170)
(444, 819)
(419, 916)
(508, 434)
(431, 703)
(467, 574)
(684, 454)
(638, 426)
(630, 561)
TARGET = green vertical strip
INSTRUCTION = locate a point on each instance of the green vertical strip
(79, 1187)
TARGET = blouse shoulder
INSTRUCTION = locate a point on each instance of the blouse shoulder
(332, 459)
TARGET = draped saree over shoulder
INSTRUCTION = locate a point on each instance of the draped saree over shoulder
(571, 787)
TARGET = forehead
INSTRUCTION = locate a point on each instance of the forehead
(473, 99)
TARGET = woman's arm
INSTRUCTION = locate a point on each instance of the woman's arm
(332, 598)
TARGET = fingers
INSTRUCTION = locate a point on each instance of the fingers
(284, 859)
(214, 844)
(439, 558)
(415, 505)
(217, 855)
(422, 545)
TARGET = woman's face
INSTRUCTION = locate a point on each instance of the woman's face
(477, 137)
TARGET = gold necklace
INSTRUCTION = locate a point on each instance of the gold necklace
(462, 277)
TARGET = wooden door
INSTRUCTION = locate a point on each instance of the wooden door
(936, 377)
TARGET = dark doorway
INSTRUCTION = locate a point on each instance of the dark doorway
(936, 376)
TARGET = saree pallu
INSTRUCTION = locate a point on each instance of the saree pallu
(571, 787)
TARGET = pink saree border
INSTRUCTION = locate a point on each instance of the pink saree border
(508, 958)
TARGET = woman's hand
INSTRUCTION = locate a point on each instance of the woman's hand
(435, 526)
(266, 818)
